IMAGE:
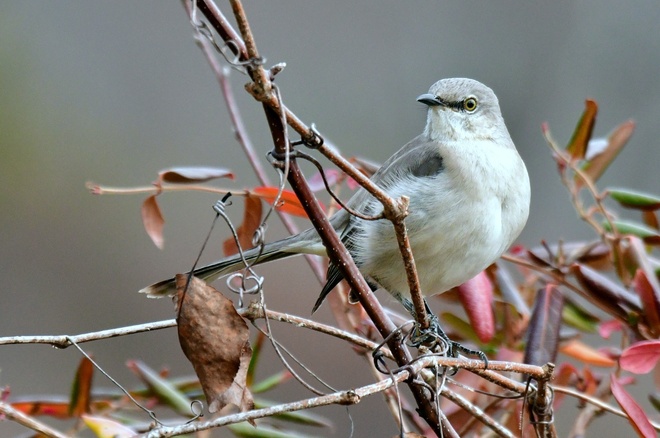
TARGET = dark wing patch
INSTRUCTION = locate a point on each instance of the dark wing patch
(430, 166)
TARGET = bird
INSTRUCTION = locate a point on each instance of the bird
(469, 198)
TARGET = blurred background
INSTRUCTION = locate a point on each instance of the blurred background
(112, 92)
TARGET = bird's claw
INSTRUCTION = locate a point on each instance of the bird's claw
(434, 336)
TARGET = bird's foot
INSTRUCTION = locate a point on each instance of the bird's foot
(435, 338)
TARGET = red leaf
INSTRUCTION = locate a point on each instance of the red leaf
(606, 328)
(577, 146)
(183, 175)
(251, 221)
(636, 415)
(641, 357)
(476, 296)
(153, 221)
(288, 202)
(649, 292)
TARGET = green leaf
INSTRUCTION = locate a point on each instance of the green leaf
(648, 235)
(271, 382)
(579, 318)
(164, 390)
(633, 199)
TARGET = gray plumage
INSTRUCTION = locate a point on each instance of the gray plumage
(469, 200)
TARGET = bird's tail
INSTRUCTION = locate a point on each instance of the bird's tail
(280, 249)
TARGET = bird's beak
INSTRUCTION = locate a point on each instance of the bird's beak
(430, 100)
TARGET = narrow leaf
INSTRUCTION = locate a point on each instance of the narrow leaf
(595, 167)
(271, 382)
(297, 417)
(649, 293)
(641, 357)
(636, 415)
(182, 175)
(509, 290)
(288, 202)
(245, 232)
(543, 333)
(634, 199)
(82, 388)
(106, 428)
(586, 354)
(578, 317)
(577, 146)
(153, 221)
(476, 296)
(164, 390)
(244, 430)
(604, 292)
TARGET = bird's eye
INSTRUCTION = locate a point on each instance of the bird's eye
(470, 104)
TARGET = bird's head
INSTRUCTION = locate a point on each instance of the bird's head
(462, 109)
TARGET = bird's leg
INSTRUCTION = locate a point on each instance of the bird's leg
(435, 332)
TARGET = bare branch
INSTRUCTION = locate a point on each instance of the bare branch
(19, 417)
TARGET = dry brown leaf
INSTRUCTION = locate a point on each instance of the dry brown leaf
(251, 221)
(153, 220)
(215, 339)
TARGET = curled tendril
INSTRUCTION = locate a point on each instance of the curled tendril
(197, 409)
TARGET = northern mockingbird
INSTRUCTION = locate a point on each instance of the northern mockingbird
(469, 199)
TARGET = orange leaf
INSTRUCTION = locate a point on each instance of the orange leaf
(288, 202)
(577, 147)
(584, 353)
(153, 221)
(82, 388)
(251, 221)
(617, 139)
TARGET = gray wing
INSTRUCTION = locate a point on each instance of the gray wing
(420, 158)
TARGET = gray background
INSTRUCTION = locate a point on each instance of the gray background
(114, 91)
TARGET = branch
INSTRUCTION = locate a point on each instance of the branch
(64, 341)
(19, 417)
(349, 397)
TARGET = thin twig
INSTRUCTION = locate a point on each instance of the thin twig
(64, 341)
(597, 403)
(19, 417)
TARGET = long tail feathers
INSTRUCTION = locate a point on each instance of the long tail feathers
(222, 267)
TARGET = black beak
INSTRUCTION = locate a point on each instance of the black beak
(430, 100)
